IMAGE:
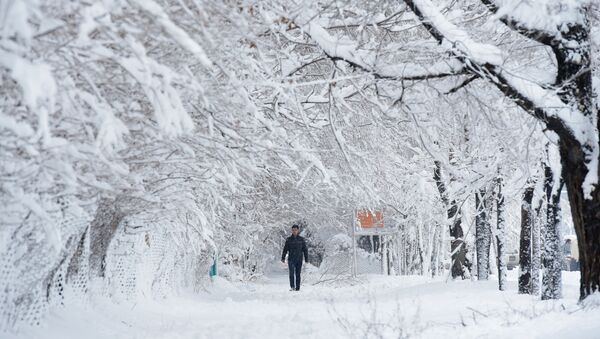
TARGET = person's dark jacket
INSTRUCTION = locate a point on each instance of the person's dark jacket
(296, 246)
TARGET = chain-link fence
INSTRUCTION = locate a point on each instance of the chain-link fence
(37, 278)
(36, 269)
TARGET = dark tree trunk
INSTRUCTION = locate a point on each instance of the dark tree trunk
(77, 260)
(586, 217)
(457, 245)
(574, 80)
(552, 256)
(102, 230)
(482, 235)
(500, 236)
(525, 241)
(435, 250)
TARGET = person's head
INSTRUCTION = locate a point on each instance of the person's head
(295, 229)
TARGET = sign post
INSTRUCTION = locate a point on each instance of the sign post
(366, 222)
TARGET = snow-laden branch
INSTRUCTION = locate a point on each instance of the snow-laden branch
(540, 21)
(349, 51)
(485, 60)
(38, 87)
(567, 121)
(178, 34)
(378, 20)
(510, 21)
(452, 37)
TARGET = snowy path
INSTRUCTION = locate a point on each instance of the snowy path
(377, 307)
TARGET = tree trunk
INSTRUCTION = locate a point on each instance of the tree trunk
(77, 260)
(457, 244)
(482, 235)
(435, 250)
(574, 81)
(102, 230)
(420, 249)
(536, 249)
(525, 241)
(586, 217)
(552, 256)
(500, 236)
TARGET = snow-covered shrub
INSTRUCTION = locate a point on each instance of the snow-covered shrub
(592, 301)
(338, 256)
(339, 243)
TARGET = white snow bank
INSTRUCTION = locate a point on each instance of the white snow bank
(381, 305)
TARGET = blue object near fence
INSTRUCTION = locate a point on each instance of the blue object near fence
(212, 272)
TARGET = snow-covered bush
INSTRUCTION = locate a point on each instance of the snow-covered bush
(339, 243)
(337, 259)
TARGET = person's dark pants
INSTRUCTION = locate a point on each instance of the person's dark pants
(295, 268)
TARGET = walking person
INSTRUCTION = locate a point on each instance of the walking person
(295, 245)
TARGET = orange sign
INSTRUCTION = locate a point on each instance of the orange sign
(369, 218)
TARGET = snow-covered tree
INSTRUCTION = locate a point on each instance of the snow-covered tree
(566, 105)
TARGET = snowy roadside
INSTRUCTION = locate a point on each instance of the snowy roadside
(377, 306)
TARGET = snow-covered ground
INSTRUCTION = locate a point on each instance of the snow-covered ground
(373, 307)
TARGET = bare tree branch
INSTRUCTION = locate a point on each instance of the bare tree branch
(462, 84)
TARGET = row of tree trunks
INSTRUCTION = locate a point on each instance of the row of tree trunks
(540, 240)
(539, 244)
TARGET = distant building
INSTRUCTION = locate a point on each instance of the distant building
(570, 253)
